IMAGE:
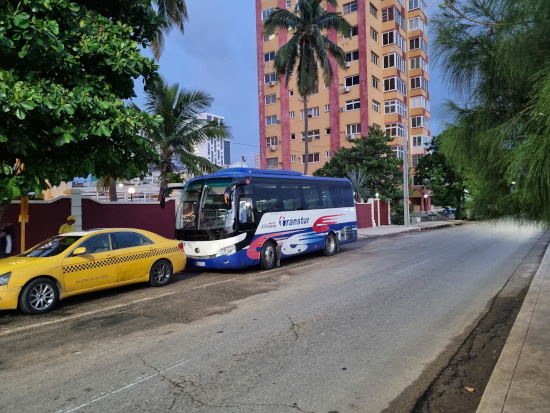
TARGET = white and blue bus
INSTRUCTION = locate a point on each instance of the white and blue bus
(239, 217)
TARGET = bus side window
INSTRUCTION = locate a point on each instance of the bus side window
(311, 196)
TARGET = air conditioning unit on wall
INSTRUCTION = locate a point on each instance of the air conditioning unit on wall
(342, 109)
(346, 64)
(273, 148)
(345, 89)
(271, 83)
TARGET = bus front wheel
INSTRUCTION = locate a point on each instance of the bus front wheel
(268, 256)
(331, 245)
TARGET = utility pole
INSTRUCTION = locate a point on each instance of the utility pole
(407, 220)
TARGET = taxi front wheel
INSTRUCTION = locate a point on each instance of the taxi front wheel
(161, 272)
(39, 296)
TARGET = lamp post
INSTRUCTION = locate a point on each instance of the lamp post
(407, 220)
(132, 191)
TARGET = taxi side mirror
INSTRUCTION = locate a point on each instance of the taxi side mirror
(79, 251)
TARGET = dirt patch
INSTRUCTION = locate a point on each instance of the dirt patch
(460, 386)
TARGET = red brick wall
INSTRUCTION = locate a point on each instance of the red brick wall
(45, 218)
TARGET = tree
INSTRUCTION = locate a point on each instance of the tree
(374, 157)
(181, 130)
(496, 55)
(174, 13)
(358, 181)
(308, 49)
(65, 72)
(446, 184)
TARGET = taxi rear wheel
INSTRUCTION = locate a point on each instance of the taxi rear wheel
(39, 296)
(161, 273)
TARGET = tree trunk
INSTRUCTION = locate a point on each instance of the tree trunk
(164, 167)
(306, 135)
(112, 190)
(3, 208)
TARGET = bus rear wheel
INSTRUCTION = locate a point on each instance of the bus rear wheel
(268, 256)
(331, 245)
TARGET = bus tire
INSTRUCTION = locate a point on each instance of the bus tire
(268, 256)
(331, 245)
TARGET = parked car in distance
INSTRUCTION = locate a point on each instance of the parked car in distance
(86, 261)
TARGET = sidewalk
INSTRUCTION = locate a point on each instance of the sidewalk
(394, 229)
(520, 382)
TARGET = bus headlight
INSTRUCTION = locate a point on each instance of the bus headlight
(4, 278)
(231, 249)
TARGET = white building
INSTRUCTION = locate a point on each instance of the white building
(216, 150)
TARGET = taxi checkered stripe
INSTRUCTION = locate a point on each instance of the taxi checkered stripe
(117, 260)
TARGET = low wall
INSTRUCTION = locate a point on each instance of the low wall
(372, 214)
(45, 218)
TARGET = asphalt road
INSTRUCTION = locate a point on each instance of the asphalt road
(348, 333)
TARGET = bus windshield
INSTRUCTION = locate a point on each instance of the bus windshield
(202, 207)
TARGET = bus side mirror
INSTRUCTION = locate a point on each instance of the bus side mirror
(228, 196)
(165, 192)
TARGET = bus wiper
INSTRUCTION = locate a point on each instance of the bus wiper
(201, 217)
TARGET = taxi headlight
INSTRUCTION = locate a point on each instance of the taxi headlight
(227, 251)
(4, 278)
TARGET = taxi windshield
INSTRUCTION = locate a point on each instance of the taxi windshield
(53, 246)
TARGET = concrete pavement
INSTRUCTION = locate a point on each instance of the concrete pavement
(520, 382)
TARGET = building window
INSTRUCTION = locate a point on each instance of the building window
(312, 134)
(329, 154)
(272, 163)
(395, 129)
(418, 43)
(376, 126)
(268, 57)
(419, 83)
(353, 104)
(271, 141)
(376, 106)
(418, 63)
(374, 34)
(288, 4)
(270, 99)
(350, 7)
(311, 112)
(375, 83)
(418, 140)
(374, 58)
(417, 4)
(292, 115)
(315, 90)
(420, 122)
(420, 102)
(327, 131)
(353, 129)
(291, 92)
(391, 13)
(393, 37)
(398, 151)
(312, 158)
(292, 158)
(394, 60)
(395, 106)
(271, 120)
(271, 77)
(327, 108)
(352, 56)
(352, 80)
(266, 13)
(353, 31)
(415, 160)
(417, 23)
(373, 10)
(394, 83)
(269, 36)
(292, 136)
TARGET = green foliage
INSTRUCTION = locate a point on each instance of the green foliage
(446, 184)
(374, 157)
(181, 129)
(174, 178)
(64, 72)
(496, 54)
(308, 49)
(358, 181)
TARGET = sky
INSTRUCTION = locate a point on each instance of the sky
(217, 54)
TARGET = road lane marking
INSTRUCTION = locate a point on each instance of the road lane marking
(412, 266)
(114, 307)
(138, 381)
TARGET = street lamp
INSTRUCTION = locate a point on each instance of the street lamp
(131, 191)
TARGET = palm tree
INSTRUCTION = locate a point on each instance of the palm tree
(359, 180)
(308, 48)
(175, 13)
(181, 130)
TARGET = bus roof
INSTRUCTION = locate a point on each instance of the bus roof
(265, 173)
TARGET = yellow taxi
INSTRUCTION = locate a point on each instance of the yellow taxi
(81, 262)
